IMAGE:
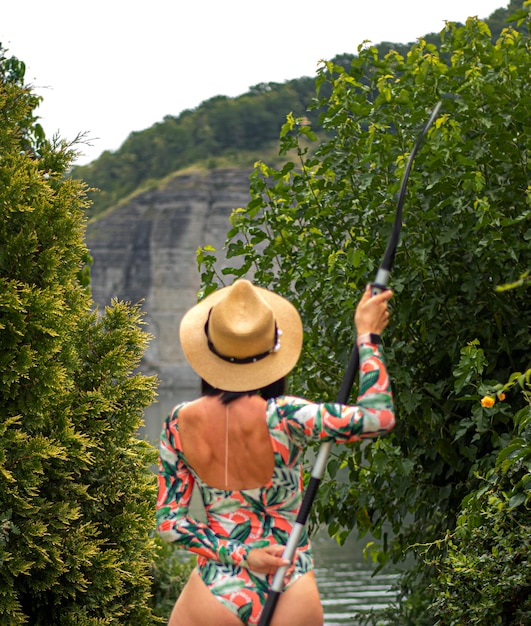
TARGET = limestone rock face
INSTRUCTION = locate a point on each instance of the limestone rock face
(144, 250)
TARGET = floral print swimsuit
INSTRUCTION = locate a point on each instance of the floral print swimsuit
(238, 521)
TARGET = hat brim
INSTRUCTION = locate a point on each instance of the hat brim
(228, 376)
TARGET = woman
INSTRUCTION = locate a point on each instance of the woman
(241, 442)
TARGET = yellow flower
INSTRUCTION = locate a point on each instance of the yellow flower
(487, 401)
(501, 396)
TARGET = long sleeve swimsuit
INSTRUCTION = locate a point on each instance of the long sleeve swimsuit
(238, 521)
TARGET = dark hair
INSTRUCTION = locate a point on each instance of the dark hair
(273, 390)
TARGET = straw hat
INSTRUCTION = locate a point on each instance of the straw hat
(242, 337)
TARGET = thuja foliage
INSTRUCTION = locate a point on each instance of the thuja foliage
(315, 230)
(76, 492)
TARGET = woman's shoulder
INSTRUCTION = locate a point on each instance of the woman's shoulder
(173, 415)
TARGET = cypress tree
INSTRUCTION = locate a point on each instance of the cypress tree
(76, 490)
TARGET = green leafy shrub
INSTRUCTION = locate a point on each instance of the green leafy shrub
(482, 569)
(316, 230)
(170, 572)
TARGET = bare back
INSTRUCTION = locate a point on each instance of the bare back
(228, 446)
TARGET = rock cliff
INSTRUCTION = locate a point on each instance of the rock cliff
(144, 250)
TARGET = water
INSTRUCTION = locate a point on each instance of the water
(346, 581)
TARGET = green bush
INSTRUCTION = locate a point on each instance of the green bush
(315, 231)
(76, 492)
(170, 572)
(482, 569)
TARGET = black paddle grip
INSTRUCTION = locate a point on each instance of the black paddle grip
(350, 375)
(308, 499)
(269, 608)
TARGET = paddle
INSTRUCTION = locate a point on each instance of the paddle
(379, 285)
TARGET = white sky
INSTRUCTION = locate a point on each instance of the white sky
(110, 67)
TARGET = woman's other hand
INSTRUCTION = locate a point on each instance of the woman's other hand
(372, 315)
(268, 560)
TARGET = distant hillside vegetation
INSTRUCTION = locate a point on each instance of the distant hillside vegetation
(220, 132)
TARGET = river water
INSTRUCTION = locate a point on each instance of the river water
(347, 582)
